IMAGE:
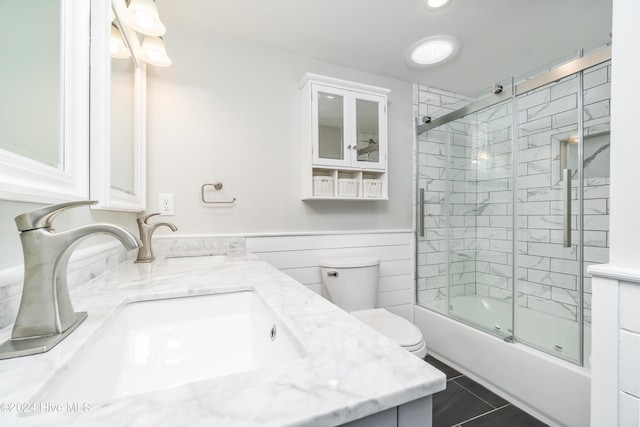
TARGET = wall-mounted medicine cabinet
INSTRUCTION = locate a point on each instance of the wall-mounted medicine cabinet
(118, 112)
(344, 139)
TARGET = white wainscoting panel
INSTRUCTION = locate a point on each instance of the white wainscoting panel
(299, 255)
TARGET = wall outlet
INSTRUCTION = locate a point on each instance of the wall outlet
(165, 204)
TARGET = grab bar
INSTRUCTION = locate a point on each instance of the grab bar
(566, 220)
(421, 210)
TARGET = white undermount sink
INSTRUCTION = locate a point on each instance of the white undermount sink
(151, 345)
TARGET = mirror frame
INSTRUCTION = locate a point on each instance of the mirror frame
(100, 153)
(26, 180)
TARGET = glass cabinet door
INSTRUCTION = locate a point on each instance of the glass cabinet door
(349, 128)
(369, 146)
(330, 130)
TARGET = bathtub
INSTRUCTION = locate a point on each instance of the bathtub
(552, 389)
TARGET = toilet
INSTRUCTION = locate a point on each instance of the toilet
(352, 284)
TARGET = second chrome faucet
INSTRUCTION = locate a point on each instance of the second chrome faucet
(145, 253)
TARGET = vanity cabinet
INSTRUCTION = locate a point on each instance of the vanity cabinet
(344, 139)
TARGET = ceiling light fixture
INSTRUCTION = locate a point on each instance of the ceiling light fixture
(435, 4)
(433, 51)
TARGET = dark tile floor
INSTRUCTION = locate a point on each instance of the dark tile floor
(465, 403)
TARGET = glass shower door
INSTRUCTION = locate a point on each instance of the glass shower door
(562, 209)
(465, 266)
(548, 311)
(480, 224)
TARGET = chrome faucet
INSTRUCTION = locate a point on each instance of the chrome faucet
(46, 316)
(145, 253)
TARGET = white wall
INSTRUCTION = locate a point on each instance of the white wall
(615, 394)
(625, 148)
(230, 112)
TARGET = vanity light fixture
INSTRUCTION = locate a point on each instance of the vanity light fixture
(154, 52)
(435, 4)
(117, 45)
(144, 17)
(432, 51)
(143, 22)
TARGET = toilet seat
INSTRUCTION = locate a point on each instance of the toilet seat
(394, 327)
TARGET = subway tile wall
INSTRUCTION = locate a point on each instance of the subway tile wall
(475, 169)
(431, 152)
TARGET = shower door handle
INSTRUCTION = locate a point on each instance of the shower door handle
(421, 212)
(566, 216)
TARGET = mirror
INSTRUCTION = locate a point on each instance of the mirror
(330, 126)
(122, 124)
(118, 112)
(367, 128)
(30, 84)
(44, 100)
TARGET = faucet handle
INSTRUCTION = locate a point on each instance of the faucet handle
(43, 217)
(143, 219)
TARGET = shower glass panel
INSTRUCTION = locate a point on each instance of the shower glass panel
(548, 309)
(480, 205)
(465, 263)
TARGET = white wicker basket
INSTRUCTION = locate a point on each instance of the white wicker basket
(323, 186)
(347, 187)
(372, 187)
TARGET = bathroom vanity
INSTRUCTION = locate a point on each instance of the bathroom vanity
(307, 362)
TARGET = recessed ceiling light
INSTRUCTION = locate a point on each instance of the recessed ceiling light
(433, 51)
(435, 4)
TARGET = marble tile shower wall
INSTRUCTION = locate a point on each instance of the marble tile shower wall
(491, 194)
(431, 152)
(480, 197)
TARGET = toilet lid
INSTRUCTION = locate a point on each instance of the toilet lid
(391, 325)
(349, 262)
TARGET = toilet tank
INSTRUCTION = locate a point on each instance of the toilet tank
(351, 283)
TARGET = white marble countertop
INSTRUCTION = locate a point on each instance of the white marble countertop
(349, 371)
